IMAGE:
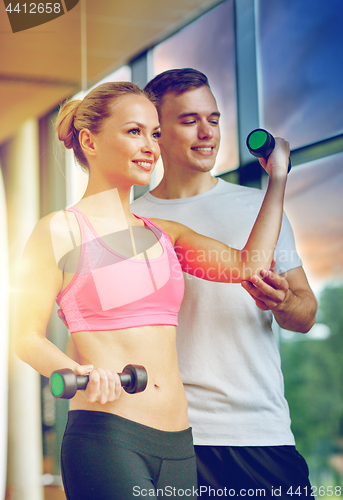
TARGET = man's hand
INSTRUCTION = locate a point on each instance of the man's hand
(269, 291)
(290, 298)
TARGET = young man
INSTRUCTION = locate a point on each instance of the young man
(228, 356)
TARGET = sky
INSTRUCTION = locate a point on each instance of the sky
(300, 51)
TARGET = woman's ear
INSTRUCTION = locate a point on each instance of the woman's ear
(87, 142)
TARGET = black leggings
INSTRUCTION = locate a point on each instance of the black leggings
(272, 472)
(107, 457)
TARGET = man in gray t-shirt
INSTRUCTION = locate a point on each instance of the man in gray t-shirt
(228, 356)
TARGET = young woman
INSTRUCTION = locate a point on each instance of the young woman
(119, 284)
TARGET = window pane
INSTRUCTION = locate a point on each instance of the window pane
(312, 363)
(301, 71)
(315, 209)
(122, 74)
(208, 46)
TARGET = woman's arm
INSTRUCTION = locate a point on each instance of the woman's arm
(39, 282)
(212, 260)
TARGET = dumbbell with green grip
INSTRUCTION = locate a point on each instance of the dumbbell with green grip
(64, 383)
(261, 144)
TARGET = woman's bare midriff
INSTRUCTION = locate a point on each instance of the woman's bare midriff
(162, 405)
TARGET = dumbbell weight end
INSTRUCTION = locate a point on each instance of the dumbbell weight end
(261, 144)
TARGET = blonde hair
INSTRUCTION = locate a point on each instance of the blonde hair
(90, 113)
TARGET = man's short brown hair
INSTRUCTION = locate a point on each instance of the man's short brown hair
(176, 81)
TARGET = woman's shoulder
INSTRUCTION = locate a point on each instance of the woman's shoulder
(55, 234)
(42, 230)
(172, 228)
(56, 224)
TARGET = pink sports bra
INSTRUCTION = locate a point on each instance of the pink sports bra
(110, 291)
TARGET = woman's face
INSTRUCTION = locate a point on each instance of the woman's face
(127, 146)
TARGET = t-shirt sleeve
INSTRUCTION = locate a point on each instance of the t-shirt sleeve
(286, 255)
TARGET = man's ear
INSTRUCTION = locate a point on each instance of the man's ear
(87, 142)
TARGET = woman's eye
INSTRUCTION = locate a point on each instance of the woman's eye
(134, 131)
(156, 135)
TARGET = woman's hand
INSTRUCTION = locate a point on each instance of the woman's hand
(104, 385)
(277, 164)
(270, 291)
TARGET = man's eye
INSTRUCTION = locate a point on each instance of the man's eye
(189, 122)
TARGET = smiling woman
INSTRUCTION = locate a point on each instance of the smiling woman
(90, 114)
(128, 139)
(119, 284)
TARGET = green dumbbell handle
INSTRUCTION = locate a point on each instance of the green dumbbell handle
(64, 383)
(261, 144)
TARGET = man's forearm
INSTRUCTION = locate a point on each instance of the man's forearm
(297, 312)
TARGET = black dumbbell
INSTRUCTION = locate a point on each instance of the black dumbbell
(64, 383)
(261, 144)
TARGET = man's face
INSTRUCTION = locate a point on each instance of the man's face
(190, 133)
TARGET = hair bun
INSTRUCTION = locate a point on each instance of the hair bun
(65, 122)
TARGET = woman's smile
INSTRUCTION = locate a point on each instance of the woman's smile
(144, 164)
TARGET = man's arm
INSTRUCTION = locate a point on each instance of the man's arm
(288, 296)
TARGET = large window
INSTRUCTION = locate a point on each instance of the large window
(208, 46)
(301, 97)
(300, 51)
(314, 205)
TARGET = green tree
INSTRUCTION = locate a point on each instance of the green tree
(313, 372)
